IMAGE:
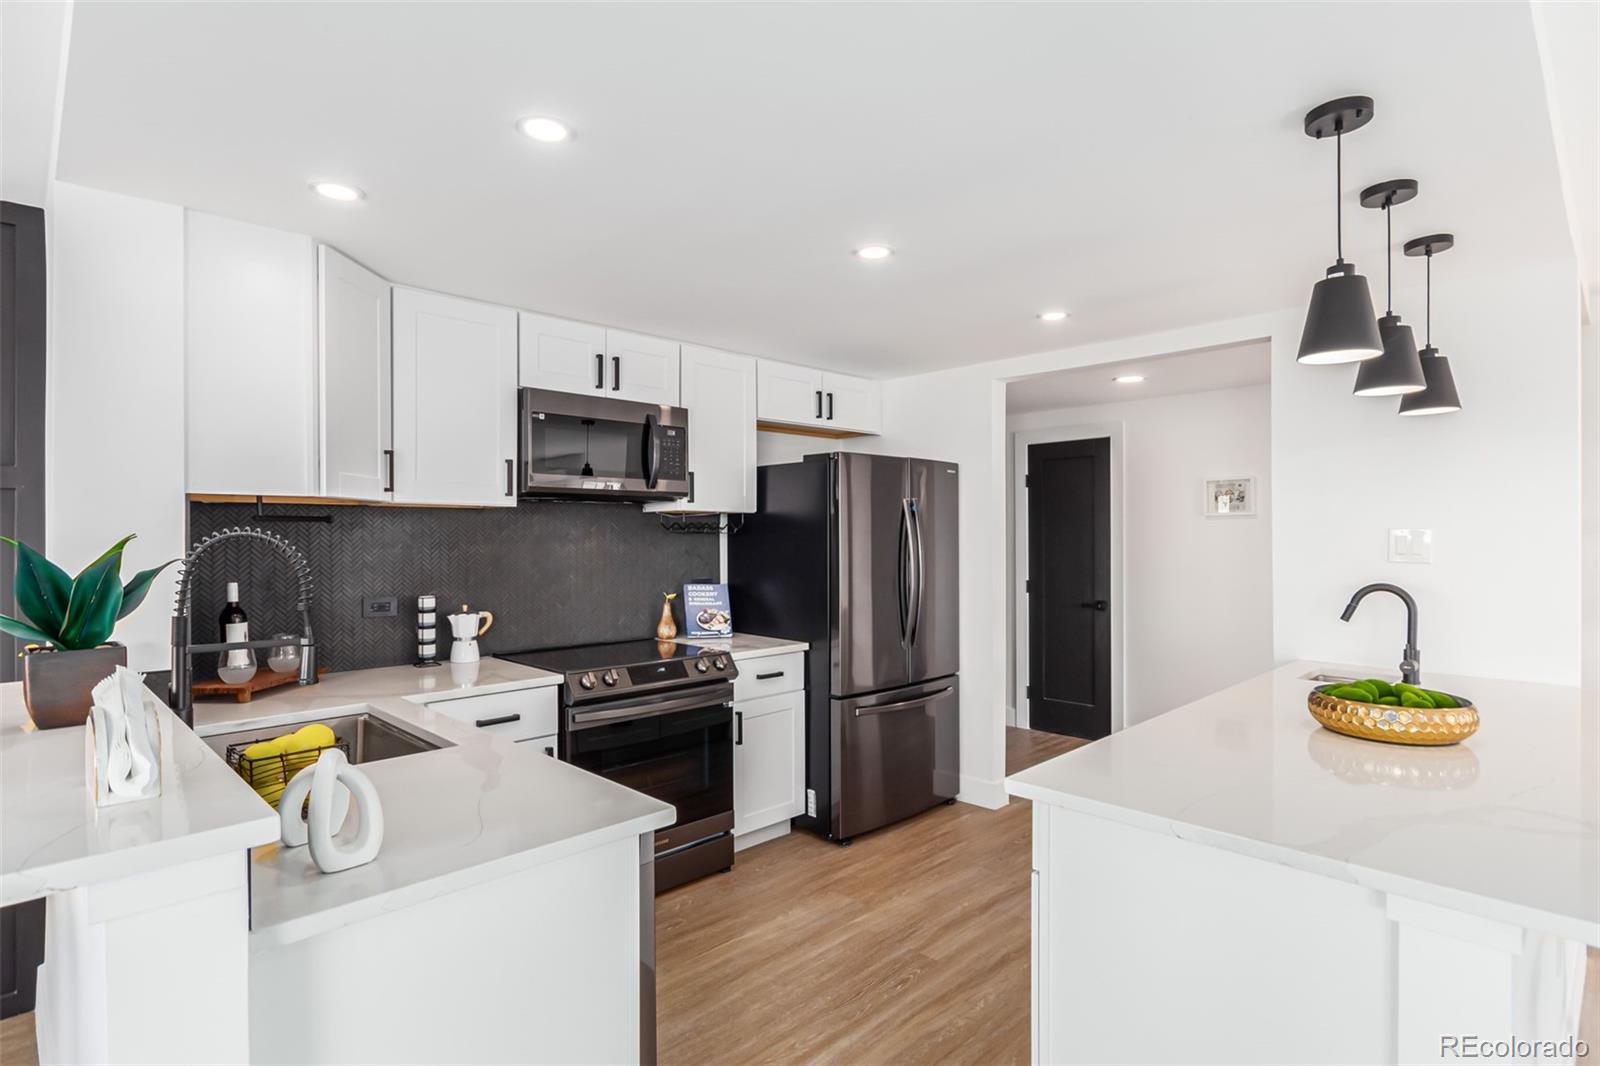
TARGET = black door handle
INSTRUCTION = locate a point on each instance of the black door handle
(1098, 605)
(388, 457)
(819, 403)
(738, 717)
(616, 373)
(769, 677)
(599, 370)
(830, 407)
(511, 477)
(548, 750)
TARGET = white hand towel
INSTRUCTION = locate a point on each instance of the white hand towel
(124, 750)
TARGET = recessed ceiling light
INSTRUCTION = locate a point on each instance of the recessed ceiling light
(874, 251)
(545, 130)
(1128, 379)
(1052, 316)
(334, 191)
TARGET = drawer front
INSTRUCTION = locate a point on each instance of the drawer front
(770, 675)
(520, 715)
(548, 744)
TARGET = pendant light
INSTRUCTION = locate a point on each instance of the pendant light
(1439, 397)
(1340, 326)
(1398, 371)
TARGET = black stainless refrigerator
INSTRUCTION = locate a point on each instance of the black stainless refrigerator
(857, 554)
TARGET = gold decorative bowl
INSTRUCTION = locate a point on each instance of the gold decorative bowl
(1393, 725)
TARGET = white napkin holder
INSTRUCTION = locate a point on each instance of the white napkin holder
(333, 786)
(99, 786)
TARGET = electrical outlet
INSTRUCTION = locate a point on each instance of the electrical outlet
(379, 607)
(811, 802)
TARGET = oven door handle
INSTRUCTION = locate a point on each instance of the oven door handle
(607, 715)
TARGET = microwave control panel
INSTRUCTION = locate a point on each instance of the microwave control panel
(674, 453)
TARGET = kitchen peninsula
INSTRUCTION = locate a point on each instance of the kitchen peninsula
(1231, 862)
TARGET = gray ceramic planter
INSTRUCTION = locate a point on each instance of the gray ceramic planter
(57, 685)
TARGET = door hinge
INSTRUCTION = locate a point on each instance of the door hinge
(1028, 692)
(1027, 586)
(1027, 481)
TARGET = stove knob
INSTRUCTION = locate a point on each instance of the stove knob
(702, 664)
(609, 677)
(586, 681)
(720, 662)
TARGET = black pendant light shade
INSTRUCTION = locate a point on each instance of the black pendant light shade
(1340, 326)
(1398, 371)
(1439, 396)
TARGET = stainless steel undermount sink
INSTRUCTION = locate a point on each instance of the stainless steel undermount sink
(365, 736)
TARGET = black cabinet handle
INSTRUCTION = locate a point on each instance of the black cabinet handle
(548, 750)
(819, 403)
(599, 370)
(769, 677)
(511, 477)
(1097, 605)
(830, 407)
(502, 720)
(691, 486)
(616, 373)
(738, 718)
(388, 458)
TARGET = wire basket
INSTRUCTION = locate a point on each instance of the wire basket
(269, 775)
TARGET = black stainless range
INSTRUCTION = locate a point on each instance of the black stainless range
(655, 716)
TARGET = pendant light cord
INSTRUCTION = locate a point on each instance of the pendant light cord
(1388, 237)
(1338, 188)
(1427, 330)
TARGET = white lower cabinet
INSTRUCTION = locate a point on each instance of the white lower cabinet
(528, 714)
(455, 400)
(544, 744)
(768, 752)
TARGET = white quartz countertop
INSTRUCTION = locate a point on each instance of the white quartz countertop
(1505, 825)
(744, 646)
(53, 838)
(475, 810)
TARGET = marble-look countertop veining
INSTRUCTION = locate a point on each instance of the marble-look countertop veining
(472, 811)
(1505, 825)
(53, 838)
(744, 646)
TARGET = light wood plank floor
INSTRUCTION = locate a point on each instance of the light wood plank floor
(910, 946)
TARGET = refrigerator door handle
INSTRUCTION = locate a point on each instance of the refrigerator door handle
(900, 705)
(903, 574)
(914, 609)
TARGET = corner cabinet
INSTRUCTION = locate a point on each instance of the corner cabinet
(819, 400)
(250, 398)
(577, 357)
(719, 392)
(455, 400)
(354, 376)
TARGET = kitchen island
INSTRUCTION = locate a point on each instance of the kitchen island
(1229, 882)
(508, 916)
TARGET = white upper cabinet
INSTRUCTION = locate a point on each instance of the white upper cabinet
(851, 404)
(719, 392)
(354, 360)
(554, 353)
(455, 400)
(789, 393)
(641, 368)
(819, 399)
(250, 359)
(567, 356)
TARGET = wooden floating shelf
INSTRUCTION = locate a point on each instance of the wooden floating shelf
(808, 431)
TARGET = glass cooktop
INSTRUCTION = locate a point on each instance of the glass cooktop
(617, 655)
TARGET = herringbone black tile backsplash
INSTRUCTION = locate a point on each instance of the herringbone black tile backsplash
(552, 573)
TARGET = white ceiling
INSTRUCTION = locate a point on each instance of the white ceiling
(1142, 165)
(1231, 367)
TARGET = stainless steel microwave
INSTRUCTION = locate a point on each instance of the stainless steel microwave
(573, 445)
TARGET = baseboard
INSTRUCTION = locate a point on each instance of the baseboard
(760, 836)
(982, 792)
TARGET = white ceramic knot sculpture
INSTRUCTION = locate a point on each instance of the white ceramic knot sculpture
(332, 784)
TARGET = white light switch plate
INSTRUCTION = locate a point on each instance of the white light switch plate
(1411, 545)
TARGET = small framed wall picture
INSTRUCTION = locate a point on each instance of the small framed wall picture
(1230, 497)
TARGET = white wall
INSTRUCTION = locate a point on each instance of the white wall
(1498, 483)
(1591, 503)
(114, 461)
(32, 57)
(1196, 606)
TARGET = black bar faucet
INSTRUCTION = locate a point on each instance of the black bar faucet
(1411, 664)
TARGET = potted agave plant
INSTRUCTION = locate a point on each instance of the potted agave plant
(67, 622)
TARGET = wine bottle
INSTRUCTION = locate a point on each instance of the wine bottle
(238, 665)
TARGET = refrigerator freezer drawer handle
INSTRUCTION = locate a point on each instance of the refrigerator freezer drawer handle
(900, 705)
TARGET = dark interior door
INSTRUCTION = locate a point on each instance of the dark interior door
(21, 516)
(1069, 587)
